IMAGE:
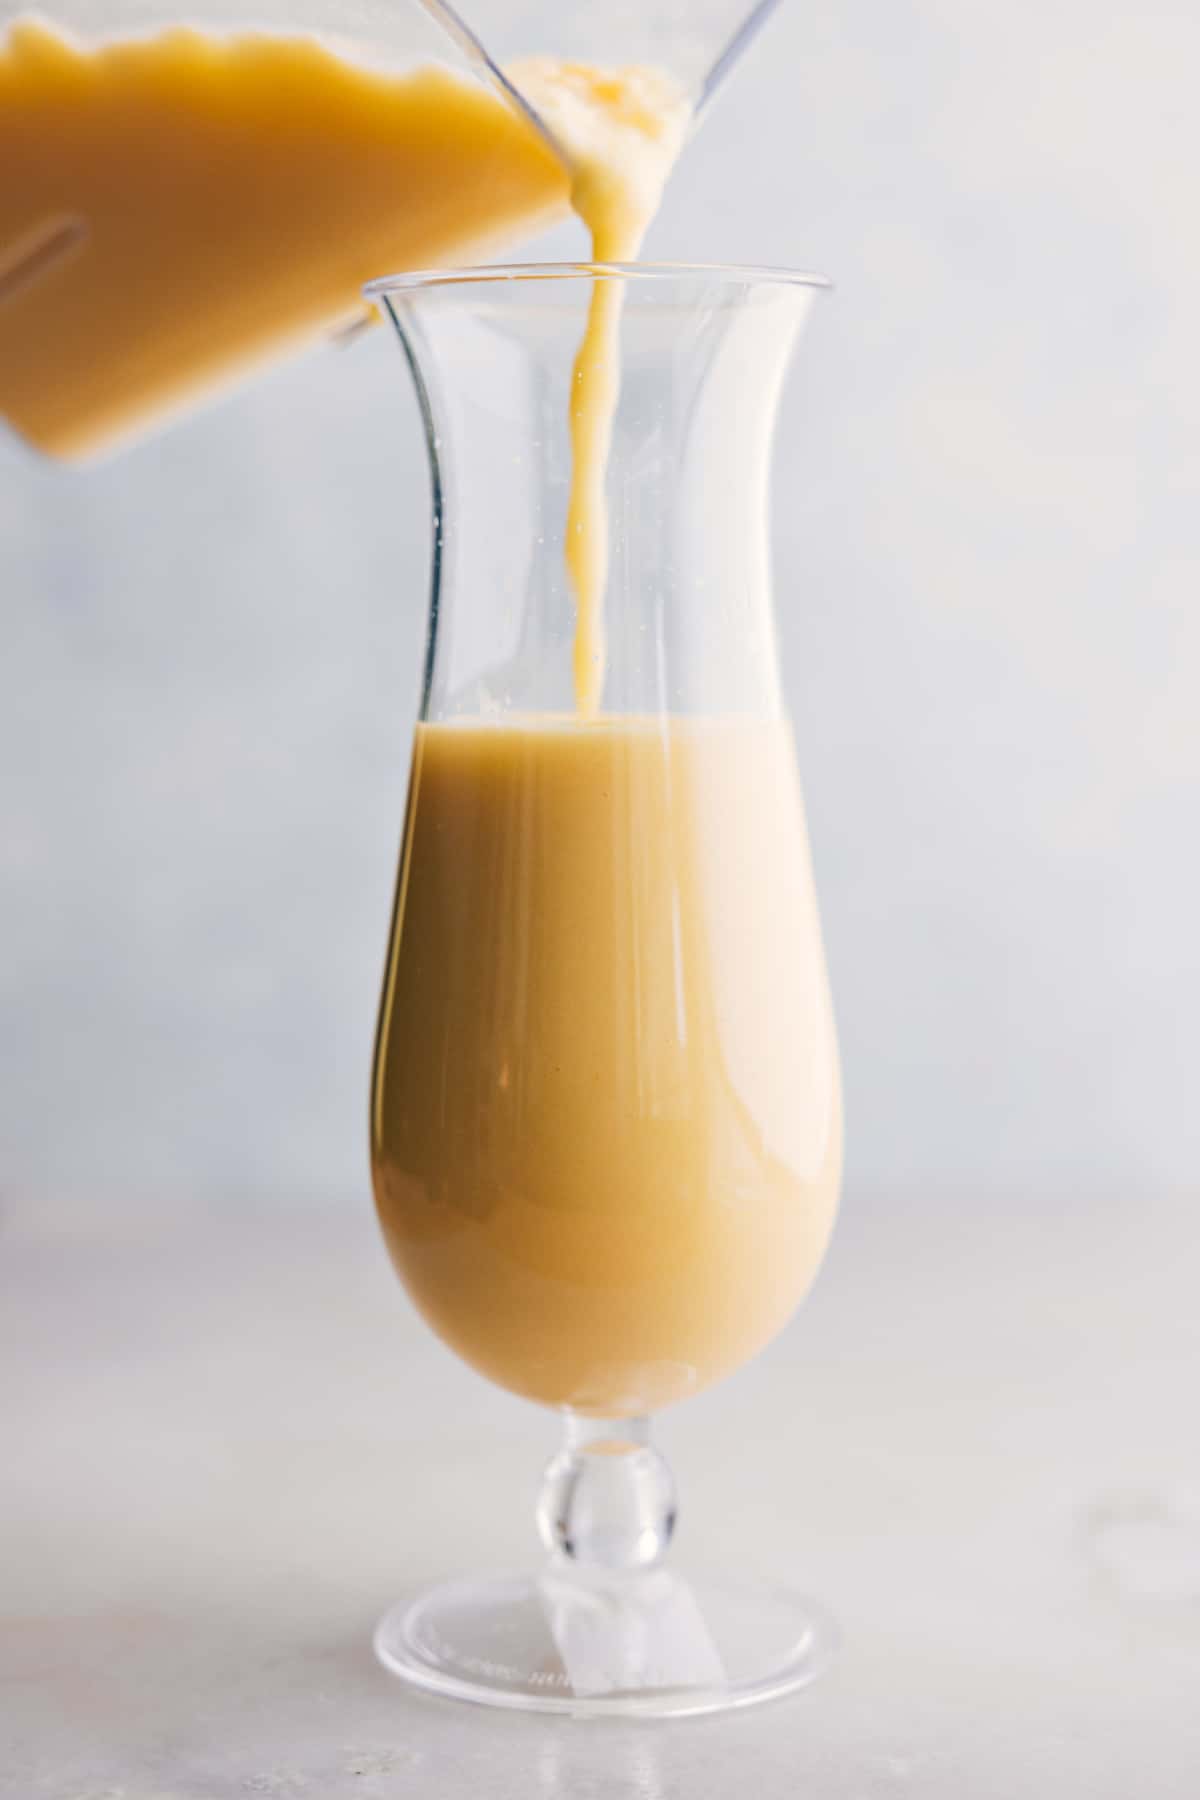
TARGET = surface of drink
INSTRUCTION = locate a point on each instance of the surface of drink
(606, 1118)
(173, 208)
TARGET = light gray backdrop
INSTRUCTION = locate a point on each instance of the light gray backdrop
(987, 521)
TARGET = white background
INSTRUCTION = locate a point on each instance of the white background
(986, 529)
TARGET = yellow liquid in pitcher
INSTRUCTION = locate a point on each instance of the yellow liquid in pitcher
(606, 1121)
(174, 208)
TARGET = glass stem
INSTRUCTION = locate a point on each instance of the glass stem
(608, 1498)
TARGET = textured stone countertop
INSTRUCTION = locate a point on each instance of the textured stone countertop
(230, 1443)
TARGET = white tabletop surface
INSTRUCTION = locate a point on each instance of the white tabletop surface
(230, 1443)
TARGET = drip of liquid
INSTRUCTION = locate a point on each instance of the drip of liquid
(622, 131)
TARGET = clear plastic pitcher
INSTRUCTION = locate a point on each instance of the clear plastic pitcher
(181, 202)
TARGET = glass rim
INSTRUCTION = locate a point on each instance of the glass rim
(420, 281)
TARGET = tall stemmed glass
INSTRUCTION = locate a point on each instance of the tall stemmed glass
(606, 1118)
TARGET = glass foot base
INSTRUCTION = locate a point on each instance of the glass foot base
(641, 1646)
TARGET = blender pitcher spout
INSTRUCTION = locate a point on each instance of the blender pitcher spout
(696, 43)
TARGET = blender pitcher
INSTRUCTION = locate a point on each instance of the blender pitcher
(182, 202)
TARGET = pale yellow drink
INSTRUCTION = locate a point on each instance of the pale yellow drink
(606, 1121)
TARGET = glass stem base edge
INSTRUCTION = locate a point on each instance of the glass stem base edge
(653, 1645)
